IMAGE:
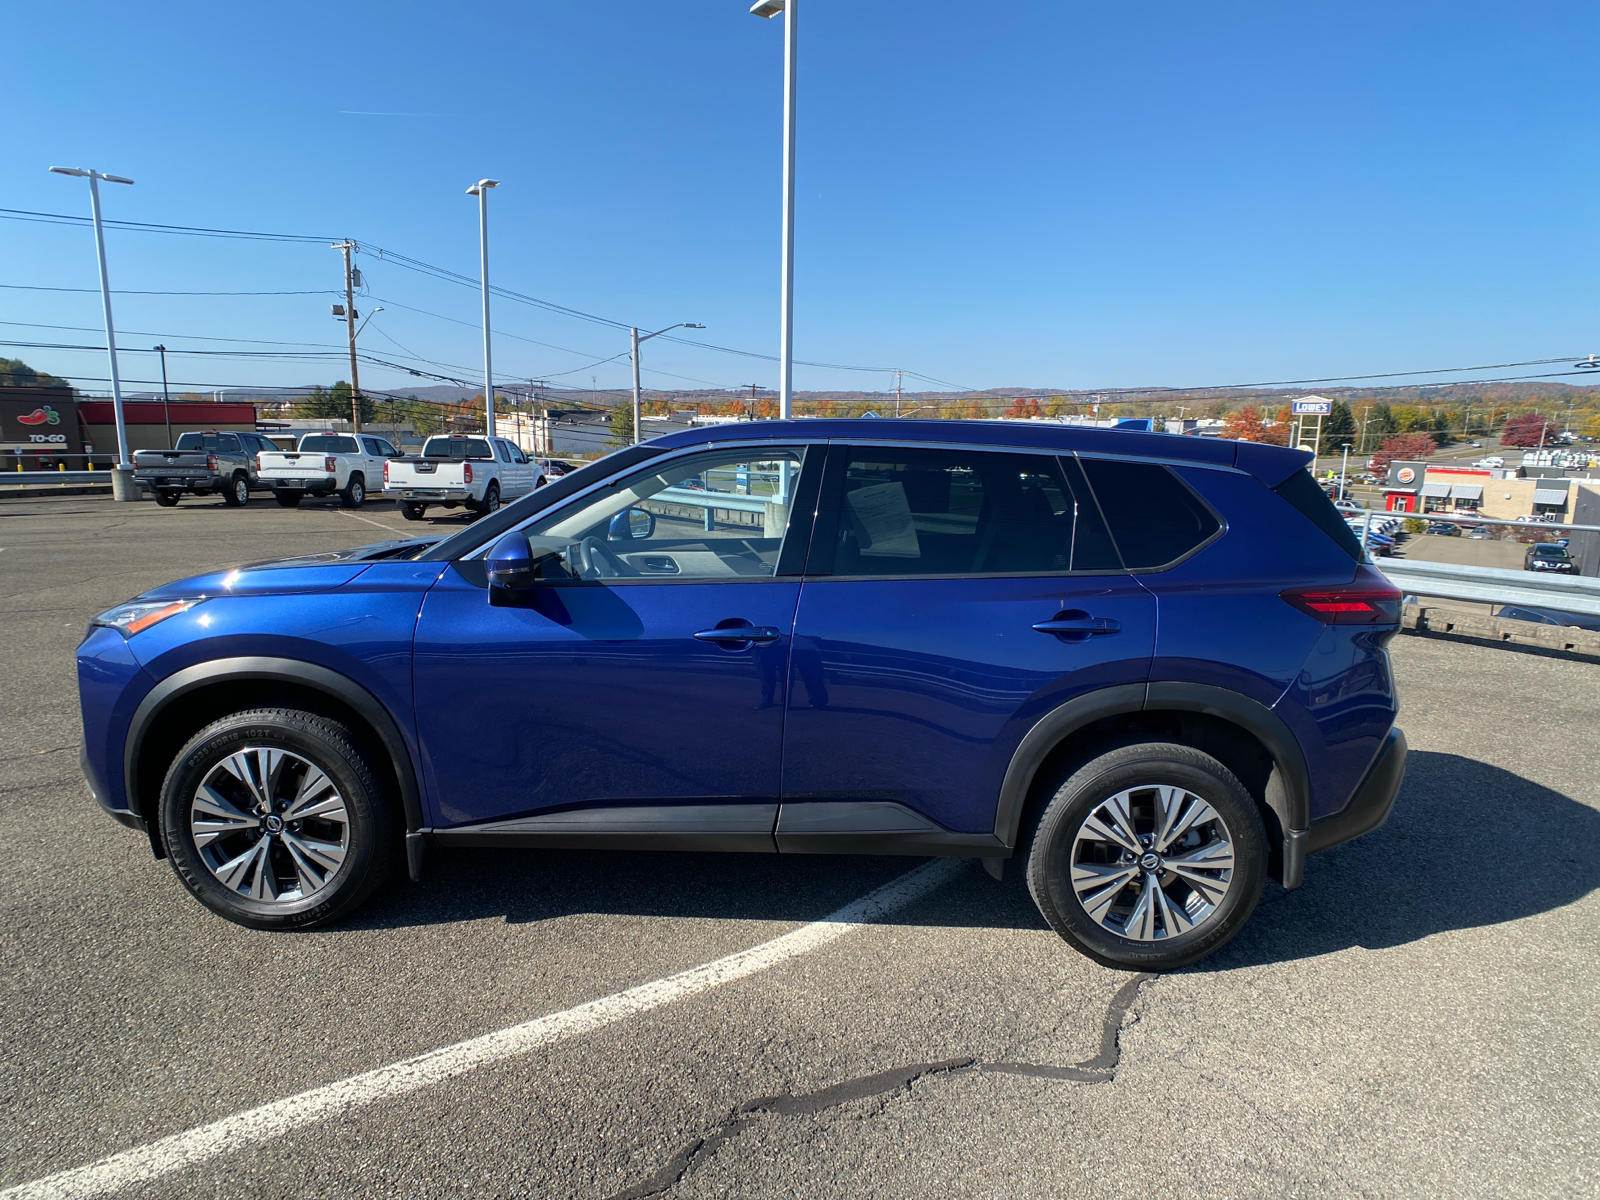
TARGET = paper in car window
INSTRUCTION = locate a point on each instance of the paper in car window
(882, 520)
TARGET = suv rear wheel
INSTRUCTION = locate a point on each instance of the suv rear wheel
(274, 819)
(1149, 857)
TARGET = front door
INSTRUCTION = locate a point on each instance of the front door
(652, 681)
(952, 598)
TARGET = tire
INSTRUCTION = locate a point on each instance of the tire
(319, 867)
(355, 491)
(168, 499)
(288, 499)
(412, 511)
(1158, 917)
(541, 483)
(490, 502)
(237, 492)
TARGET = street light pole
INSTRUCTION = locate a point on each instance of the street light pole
(166, 399)
(1344, 470)
(122, 486)
(635, 339)
(481, 191)
(771, 8)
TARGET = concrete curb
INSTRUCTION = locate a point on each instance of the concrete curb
(1501, 631)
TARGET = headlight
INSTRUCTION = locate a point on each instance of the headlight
(138, 615)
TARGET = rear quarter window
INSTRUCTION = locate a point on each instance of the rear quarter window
(1306, 495)
(1154, 517)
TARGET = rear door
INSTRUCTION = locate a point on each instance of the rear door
(951, 598)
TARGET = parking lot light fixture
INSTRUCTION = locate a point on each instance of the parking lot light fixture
(771, 8)
(122, 478)
(481, 191)
(636, 338)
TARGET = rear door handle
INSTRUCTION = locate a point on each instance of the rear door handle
(1080, 625)
(740, 633)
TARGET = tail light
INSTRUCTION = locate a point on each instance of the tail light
(330, 464)
(211, 463)
(1369, 599)
(258, 464)
(386, 472)
(466, 472)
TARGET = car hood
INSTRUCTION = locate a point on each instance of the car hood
(298, 573)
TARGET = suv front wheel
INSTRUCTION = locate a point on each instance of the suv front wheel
(274, 819)
(1149, 857)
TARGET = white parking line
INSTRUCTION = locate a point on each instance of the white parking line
(368, 520)
(205, 1142)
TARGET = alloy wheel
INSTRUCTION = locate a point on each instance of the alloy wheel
(1152, 862)
(270, 825)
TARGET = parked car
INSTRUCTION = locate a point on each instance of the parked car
(1481, 533)
(203, 462)
(1549, 616)
(1547, 556)
(1444, 529)
(327, 464)
(856, 637)
(453, 471)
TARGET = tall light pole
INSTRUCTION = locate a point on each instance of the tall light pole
(636, 339)
(481, 191)
(1344, 469)
(771, 8)
(166, 399)
(122, 487)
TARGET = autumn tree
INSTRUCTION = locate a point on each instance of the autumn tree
(1024, 407)
(1403, 446)
(1244, 425)
(1529, 429)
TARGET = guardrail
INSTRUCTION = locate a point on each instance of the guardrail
(732, 501)
(55, 477)
(1493, 585)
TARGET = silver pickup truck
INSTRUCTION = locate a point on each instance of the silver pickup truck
(205, 462)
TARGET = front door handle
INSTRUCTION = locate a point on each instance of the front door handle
(1081, 625)
(740, 633)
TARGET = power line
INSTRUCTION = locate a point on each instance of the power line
(34, 287)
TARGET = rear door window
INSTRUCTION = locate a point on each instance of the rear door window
(935, 511)
(1154, 517)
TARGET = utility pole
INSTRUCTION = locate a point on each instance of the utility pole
(897, 375)
(166, 400)
(1344, 469)
(350, 330)
(634, 334)
(481, 191)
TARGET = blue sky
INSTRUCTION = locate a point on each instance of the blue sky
(1029, 194)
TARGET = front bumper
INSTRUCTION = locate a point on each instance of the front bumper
(1370, 805)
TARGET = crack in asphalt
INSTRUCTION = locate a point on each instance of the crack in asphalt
(1101, 1068)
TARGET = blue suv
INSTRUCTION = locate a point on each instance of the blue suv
(1148, 670)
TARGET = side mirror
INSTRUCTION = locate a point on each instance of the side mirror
(631, 524)
(514, 566)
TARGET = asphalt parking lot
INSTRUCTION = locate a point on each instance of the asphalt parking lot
(1418, 1019)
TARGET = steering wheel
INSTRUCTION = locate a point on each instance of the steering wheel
(596, 561)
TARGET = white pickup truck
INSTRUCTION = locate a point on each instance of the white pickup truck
(325, 464)
(453, 470)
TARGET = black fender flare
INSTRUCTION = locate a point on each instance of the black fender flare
(1288, 791)
(279, 670)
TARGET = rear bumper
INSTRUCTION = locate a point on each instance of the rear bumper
(301, 483)
(1369, 806)
(429, 495)
(172, 483)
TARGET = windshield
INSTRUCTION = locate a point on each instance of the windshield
(1550, 551)
(327, 443)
